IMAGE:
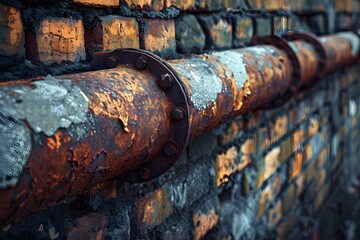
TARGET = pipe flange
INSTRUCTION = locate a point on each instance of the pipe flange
(173, 88)
(319, 48)
(282, 44)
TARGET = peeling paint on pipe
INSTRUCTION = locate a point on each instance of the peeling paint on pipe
(106, 123)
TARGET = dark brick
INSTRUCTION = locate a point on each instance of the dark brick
(217, 30)
(190, 37)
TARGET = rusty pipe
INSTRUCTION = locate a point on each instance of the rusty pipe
(61, 135)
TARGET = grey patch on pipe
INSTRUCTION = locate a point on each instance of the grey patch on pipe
(259, 50)
(46, 105)
(353, 40)
(234, 61)
(204, 82)
(79, 131)
(15, 148)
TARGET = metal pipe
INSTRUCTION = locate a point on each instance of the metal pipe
(61, 135)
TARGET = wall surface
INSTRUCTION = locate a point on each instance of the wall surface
(286, 172)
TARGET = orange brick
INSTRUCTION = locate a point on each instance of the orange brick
(57, 40)
(271, 162)
(300, 185)
(228, 163)
(154, 208)
(145, 4)
(180, 4)
(12, 36)
(159, 35)
(297, 139)
(203, 222)
(276, 4)
(248, 147)
(112, 32)
(313, 128)
(98, 3)
(296, 165)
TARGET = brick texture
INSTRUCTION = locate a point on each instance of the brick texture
(12, 37)
(57, 40)
(112, 32)
(98, 3)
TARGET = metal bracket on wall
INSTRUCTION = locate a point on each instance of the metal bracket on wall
(168, 81)
(284, 45)
(313, 40)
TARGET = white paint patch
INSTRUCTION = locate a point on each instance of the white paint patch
(263, 51)
(52, 104)
(204, 82)
(235, 62)
(353, 40)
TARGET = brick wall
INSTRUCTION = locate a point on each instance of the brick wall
(276, 173)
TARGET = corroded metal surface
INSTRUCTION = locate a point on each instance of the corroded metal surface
(93, 126)
(127, 122)
(341, 49)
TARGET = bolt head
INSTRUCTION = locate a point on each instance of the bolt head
(165, 81)
(170, 149)
(177, 114)
(140, 63)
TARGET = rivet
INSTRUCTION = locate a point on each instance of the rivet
(111, 62)
(170, 149)
(140, 63)
(177, 114)
(165, 81)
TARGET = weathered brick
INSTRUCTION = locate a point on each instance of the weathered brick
(263, 26)
(145, 4)
(159, 36)
(276, 4)
(275, 214)
(153, 209)
(210, 4)
(202, 146)
(231, 132)
(91, 226)
(300, 184)
(217, 30)
(285, 150)
(243, 31)
(270, 192)
(289, 198)
(271, 162)
(190, 37)
(180, 4)
(228, 163)
(314, 126)
(234, 4)
(57, 40)
(205, 218)
(112, 32)
(12, 37)
(248, 147)
(98, 3)
(279, 128)
(297, 139)
(296, 165)
(262, 140)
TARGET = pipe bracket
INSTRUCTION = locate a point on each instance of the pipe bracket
(319, 48)
(173, 88)
(284, 45)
